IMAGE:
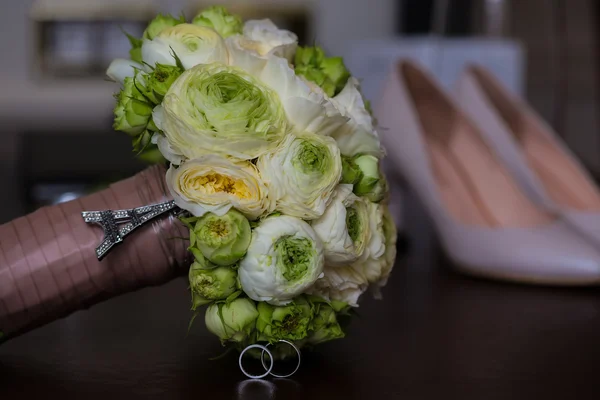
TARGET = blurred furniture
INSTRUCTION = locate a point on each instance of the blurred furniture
(79, 38)
(436, 335)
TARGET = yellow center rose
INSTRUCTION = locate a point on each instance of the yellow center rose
(216, 183)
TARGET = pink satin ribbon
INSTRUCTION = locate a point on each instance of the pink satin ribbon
(48, 264)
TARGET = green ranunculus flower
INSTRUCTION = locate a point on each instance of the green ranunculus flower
(223, 240)
(329, 73)
(210, 284)
(324, 327)
(351, 173)
(218, 18)
(214, 108)
(372, 184)
(159, 81)
(233, 321)
(289, 322)
(161, 22)
(133, 111)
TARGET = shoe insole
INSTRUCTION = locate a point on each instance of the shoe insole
(475, 187)
(565, 182)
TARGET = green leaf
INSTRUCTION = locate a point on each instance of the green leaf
(197, 254)
(229, 349)
(233, 296)
(192, 238)
(178, 62)
(192, 321)
(188, 221)
(135, 42)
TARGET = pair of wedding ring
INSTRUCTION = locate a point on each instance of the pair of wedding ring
(269, 369)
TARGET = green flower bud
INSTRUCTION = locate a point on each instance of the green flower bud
(223, 240)
(208, 285)
(372, 183)
(351, 173)
(151, 155)
(160, 80)
(235, 321)
(136, 54)
(133, 111)
(329, 73)
(304, 56)
(136, 48)
(289, 322)
(325, 327)
(335, 69)
(158, 24)
(219, 19)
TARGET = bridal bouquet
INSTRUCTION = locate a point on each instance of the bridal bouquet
(274, 156)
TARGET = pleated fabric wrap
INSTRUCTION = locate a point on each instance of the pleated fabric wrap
(48, 264)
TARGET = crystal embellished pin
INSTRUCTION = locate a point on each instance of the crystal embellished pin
(117, 224)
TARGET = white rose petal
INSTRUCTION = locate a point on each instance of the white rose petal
(381, 250)
(345, 284)
(120, 69)
(266, 39)
(358, 136)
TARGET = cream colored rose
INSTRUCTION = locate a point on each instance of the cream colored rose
(216, 184)
(381, 249)
(345, 284)
(191, 43)
(262, 38)
(302, 174)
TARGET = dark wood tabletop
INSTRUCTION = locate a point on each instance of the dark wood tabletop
(436, 335)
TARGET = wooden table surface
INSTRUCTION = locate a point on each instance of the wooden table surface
(437, 335)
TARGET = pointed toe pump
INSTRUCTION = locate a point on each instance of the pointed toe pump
(487, 225)
(537, 157)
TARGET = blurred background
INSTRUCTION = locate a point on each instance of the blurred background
(56, 106)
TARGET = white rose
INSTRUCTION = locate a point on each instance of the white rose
(381, 250)
(216, 184)
(263, 38)
(302, 174)
(344, 284)
(358, 136)
(193, 45)
(285, 258)
(344, 228)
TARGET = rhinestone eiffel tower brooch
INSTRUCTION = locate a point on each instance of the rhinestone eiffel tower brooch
(117, 224)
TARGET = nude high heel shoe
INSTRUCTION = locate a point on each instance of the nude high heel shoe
(537, 157)
(488, 226)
